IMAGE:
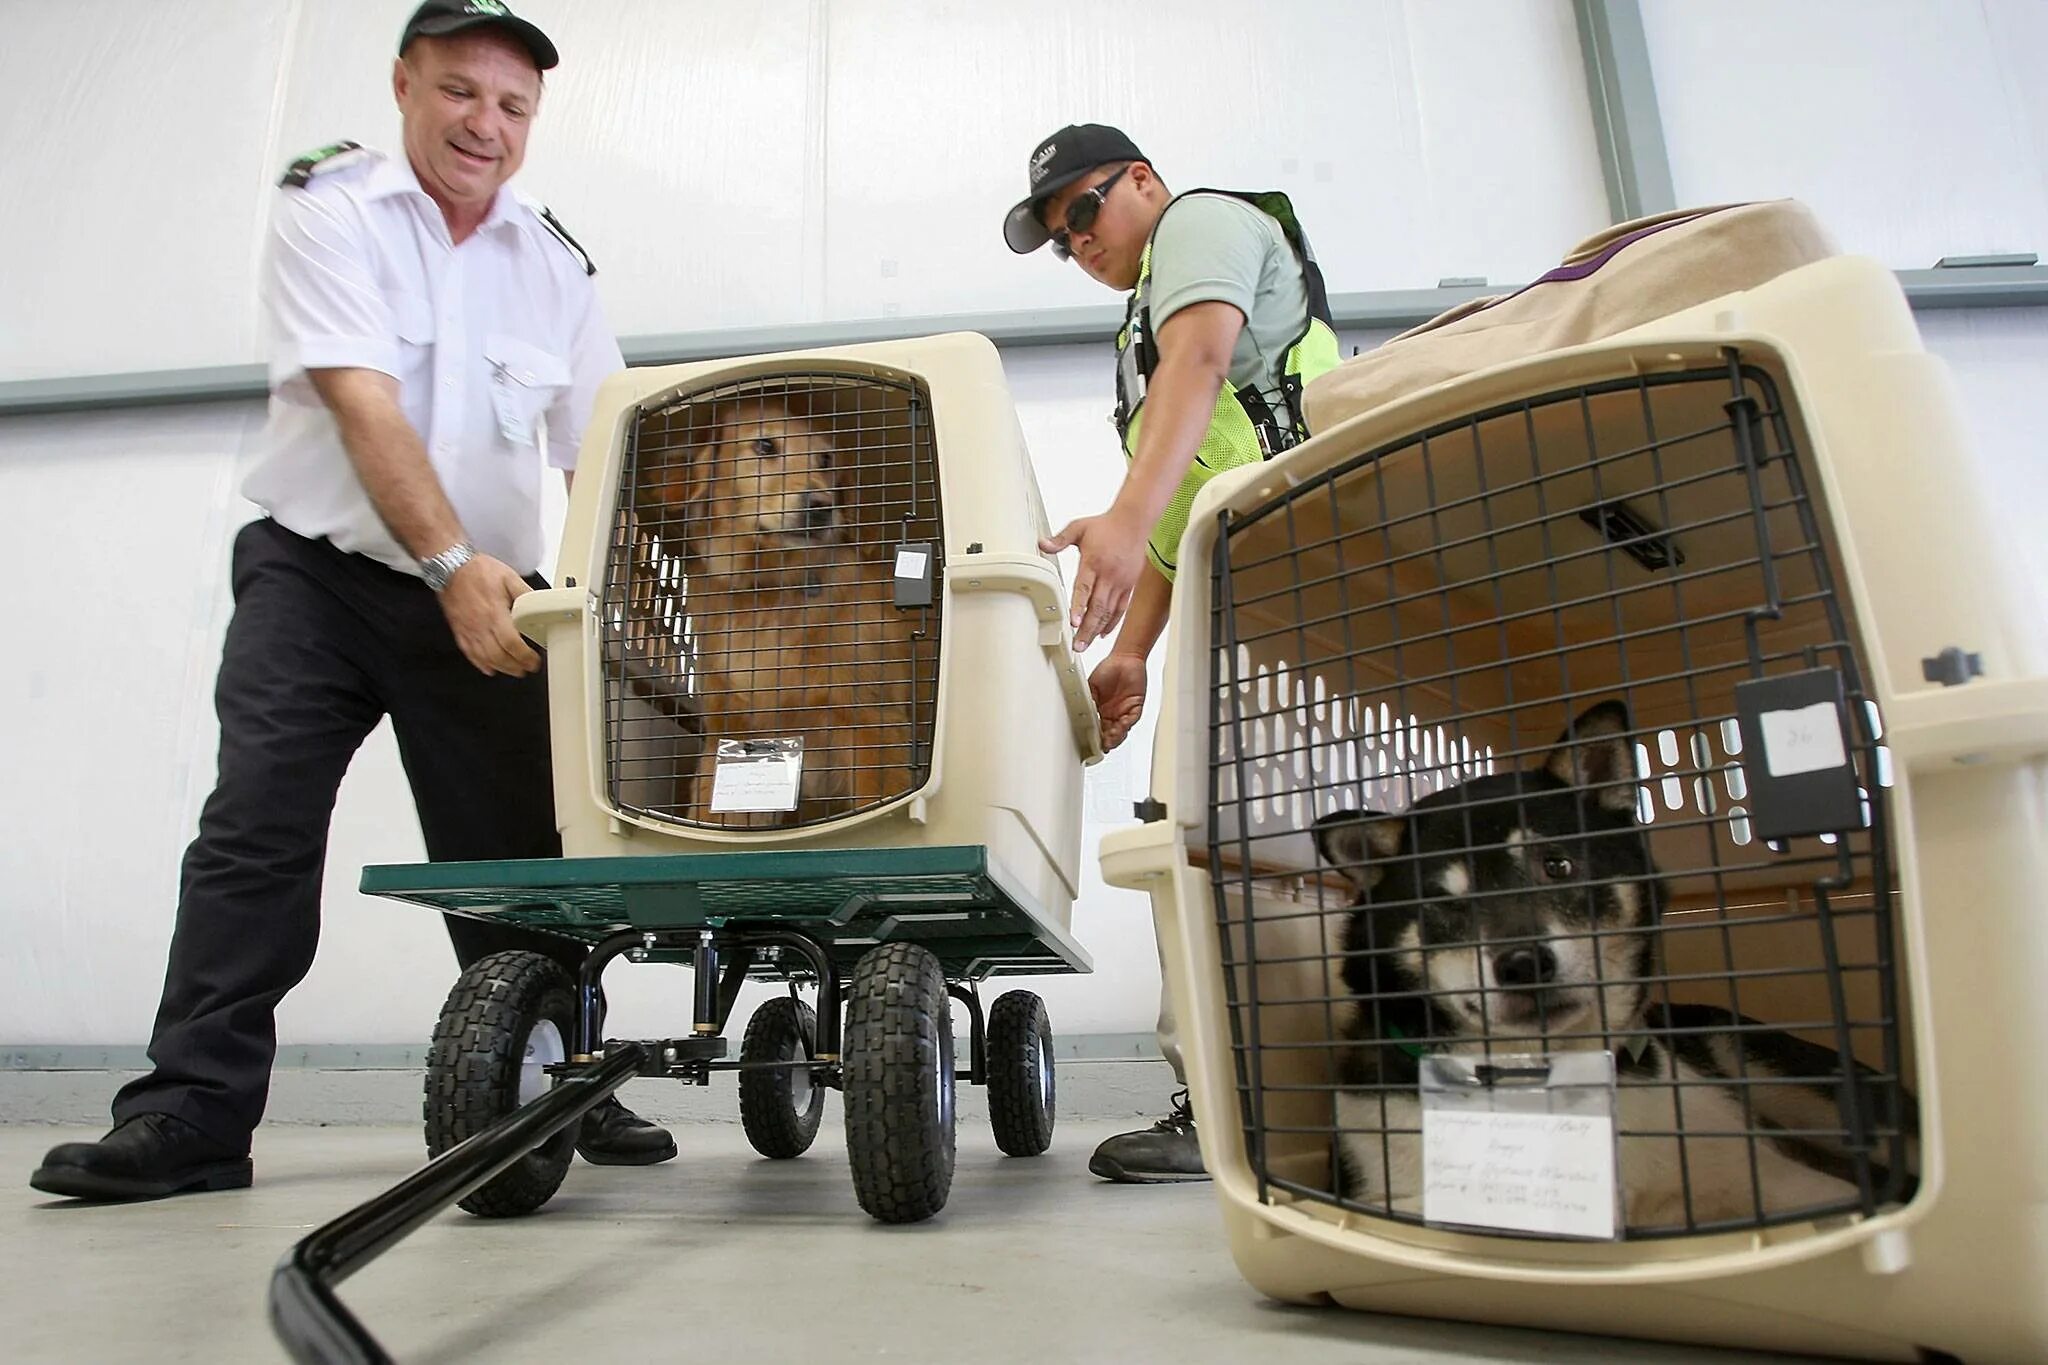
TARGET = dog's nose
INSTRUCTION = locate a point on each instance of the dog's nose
(818, 509)
(1530, 966)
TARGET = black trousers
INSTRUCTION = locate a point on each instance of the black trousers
(322, 646)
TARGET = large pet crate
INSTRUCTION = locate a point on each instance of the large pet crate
(1757, 528)
(801, 605)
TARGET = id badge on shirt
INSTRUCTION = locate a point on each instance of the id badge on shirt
(509, 403)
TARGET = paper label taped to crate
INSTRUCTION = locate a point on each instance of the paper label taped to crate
(1805, 740)
(757, 775)
(1521, 1144)
(910, 563)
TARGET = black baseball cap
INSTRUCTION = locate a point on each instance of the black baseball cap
(1055, 163)
(439, 18)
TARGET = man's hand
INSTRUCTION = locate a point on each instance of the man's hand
(1112, 557)
(1118, 686)
(478, 604)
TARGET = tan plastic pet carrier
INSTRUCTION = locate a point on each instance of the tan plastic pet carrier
(1601, 863)
(801, 605)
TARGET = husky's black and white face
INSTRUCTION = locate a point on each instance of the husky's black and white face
(1515, 904)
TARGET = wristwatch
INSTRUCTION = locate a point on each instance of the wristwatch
(438, 569)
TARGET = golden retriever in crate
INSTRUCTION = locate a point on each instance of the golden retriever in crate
(1517, 913)
(793, 623)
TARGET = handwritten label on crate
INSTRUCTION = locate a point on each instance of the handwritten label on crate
(757, 775)
(1530, 1152)
(1805, 740)
(1542, 1173)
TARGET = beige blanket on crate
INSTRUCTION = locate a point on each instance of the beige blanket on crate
(1623, 277)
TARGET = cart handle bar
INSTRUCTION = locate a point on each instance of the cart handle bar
(312, 1323)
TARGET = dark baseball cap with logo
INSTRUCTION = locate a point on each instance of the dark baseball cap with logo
(1056, 163)
(439, 18)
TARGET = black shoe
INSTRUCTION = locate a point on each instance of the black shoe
(1163, 1153)
(614, 1135)
(146, 1157)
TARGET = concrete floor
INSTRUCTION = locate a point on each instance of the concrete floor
(716, 1256)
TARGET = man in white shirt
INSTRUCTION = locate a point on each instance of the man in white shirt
(435, 338)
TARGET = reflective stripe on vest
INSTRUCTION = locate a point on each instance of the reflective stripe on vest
(1243, 429)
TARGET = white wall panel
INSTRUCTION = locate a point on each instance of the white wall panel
(1915, 128)
(1999, 358)
(1401, 130)
(131, 151)
(675, 146)
(802, 160)
(120, 524)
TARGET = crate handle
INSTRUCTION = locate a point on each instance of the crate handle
(1988, 722)
(1040, 582)
(535, 611)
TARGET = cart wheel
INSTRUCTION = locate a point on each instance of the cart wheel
(1020, 1091)
(779, 1106)
(504, 1023)
(898, 1060)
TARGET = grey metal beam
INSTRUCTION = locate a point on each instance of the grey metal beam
(133, 389)
(1623, 94)
(1976, 286)
(1083, 1047)
(1371, 311)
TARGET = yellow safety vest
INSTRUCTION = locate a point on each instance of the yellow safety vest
(1244, 429)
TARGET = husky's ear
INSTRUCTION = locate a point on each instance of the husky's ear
(1594, 751)
(1354, 842)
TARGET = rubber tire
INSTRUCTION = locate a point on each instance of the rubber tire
(1020, 1111)
(898, 1063)
(782, 1030)
(473, 1071)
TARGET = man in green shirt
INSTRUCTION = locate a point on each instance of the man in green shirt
(1226, 319)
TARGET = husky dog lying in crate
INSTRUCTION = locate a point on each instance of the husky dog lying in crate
(793, 623)
(1517, 913)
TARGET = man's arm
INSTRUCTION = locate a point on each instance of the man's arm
(1146, 620)
(331, 329)
(392, 464)
(389, 458)
(1195, 346)
(1194, 360)
(1118, 682)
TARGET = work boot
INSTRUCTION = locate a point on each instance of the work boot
(613, 1135)
(1163, 1153)
(148, 1156)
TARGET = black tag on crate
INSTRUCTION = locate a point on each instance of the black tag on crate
(1796, 755)
(914, 575)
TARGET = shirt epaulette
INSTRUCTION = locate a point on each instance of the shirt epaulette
(561, 234)
(321, 160)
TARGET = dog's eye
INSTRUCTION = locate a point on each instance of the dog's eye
(824, 459)
(764, 446)
(1557, 867)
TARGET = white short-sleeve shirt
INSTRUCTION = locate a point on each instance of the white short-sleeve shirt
(498, 346)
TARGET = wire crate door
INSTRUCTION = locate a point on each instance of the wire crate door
(771, 612)
(1580, 605)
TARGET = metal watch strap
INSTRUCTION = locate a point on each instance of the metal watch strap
(438, 569)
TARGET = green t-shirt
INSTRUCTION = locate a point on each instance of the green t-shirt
(1212, 248)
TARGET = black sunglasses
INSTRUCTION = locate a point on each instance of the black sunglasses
(1081, 211)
